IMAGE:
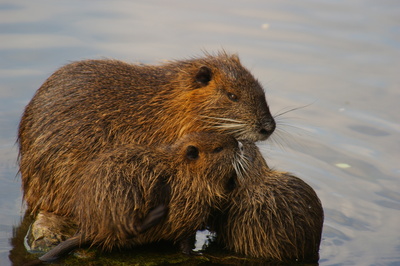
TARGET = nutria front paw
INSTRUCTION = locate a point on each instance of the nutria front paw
(153, 217)
(186, 245)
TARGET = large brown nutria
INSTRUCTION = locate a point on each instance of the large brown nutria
(270, 214)
(135, 194)
(88, 107)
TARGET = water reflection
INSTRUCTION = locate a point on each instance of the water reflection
(342, 57)
(368, 130)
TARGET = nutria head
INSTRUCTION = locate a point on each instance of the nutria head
(226, 97)
(207, 159)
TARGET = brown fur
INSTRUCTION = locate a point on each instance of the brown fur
(272, 215)
(88, 107)
(115, 192)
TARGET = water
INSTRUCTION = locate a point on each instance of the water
(338, 60)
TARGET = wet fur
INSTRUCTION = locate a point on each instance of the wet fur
(272, 215)
(115, 192)
(88, 107)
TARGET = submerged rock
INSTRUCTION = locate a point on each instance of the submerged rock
(47, 231)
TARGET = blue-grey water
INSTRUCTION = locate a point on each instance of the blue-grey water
(338, 60)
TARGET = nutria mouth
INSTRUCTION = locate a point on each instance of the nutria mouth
(232, 183)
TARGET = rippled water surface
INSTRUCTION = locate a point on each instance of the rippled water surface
(337, 60)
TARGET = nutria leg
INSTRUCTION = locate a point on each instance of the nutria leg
(62, 249)
(153, 218)
(186, 245)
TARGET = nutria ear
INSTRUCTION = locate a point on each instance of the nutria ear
(192, 152)
(203, 76)
(235, 57)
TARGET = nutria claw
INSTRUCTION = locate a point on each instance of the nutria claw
(153, 218)
(62, 249)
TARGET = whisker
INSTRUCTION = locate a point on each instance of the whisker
(287, 125)
(221, 119)
(276, 140)
(284, 139)
(280, 113)
(228, 126)
(245, 161)
(238, 173)
(238, 128)
(283, 126)
(283, 136)
(242, 165)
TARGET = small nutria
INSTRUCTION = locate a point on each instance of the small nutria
(137, 194)
(88, 107)
(270, 214)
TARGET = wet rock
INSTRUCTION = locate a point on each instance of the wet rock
(47, 231)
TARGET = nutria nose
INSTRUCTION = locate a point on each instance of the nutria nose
(263, 131)
(268, 128)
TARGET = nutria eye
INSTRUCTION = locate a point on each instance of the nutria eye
(232, 97)
(192, 152)
(218, 149)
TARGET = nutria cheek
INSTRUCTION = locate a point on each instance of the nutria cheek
(232, 183)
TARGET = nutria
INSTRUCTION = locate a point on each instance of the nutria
(136, 194)
(270, 214)
(90, 106)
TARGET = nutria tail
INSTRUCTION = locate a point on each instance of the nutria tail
(62, 249)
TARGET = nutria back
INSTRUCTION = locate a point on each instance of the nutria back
(88, 107)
